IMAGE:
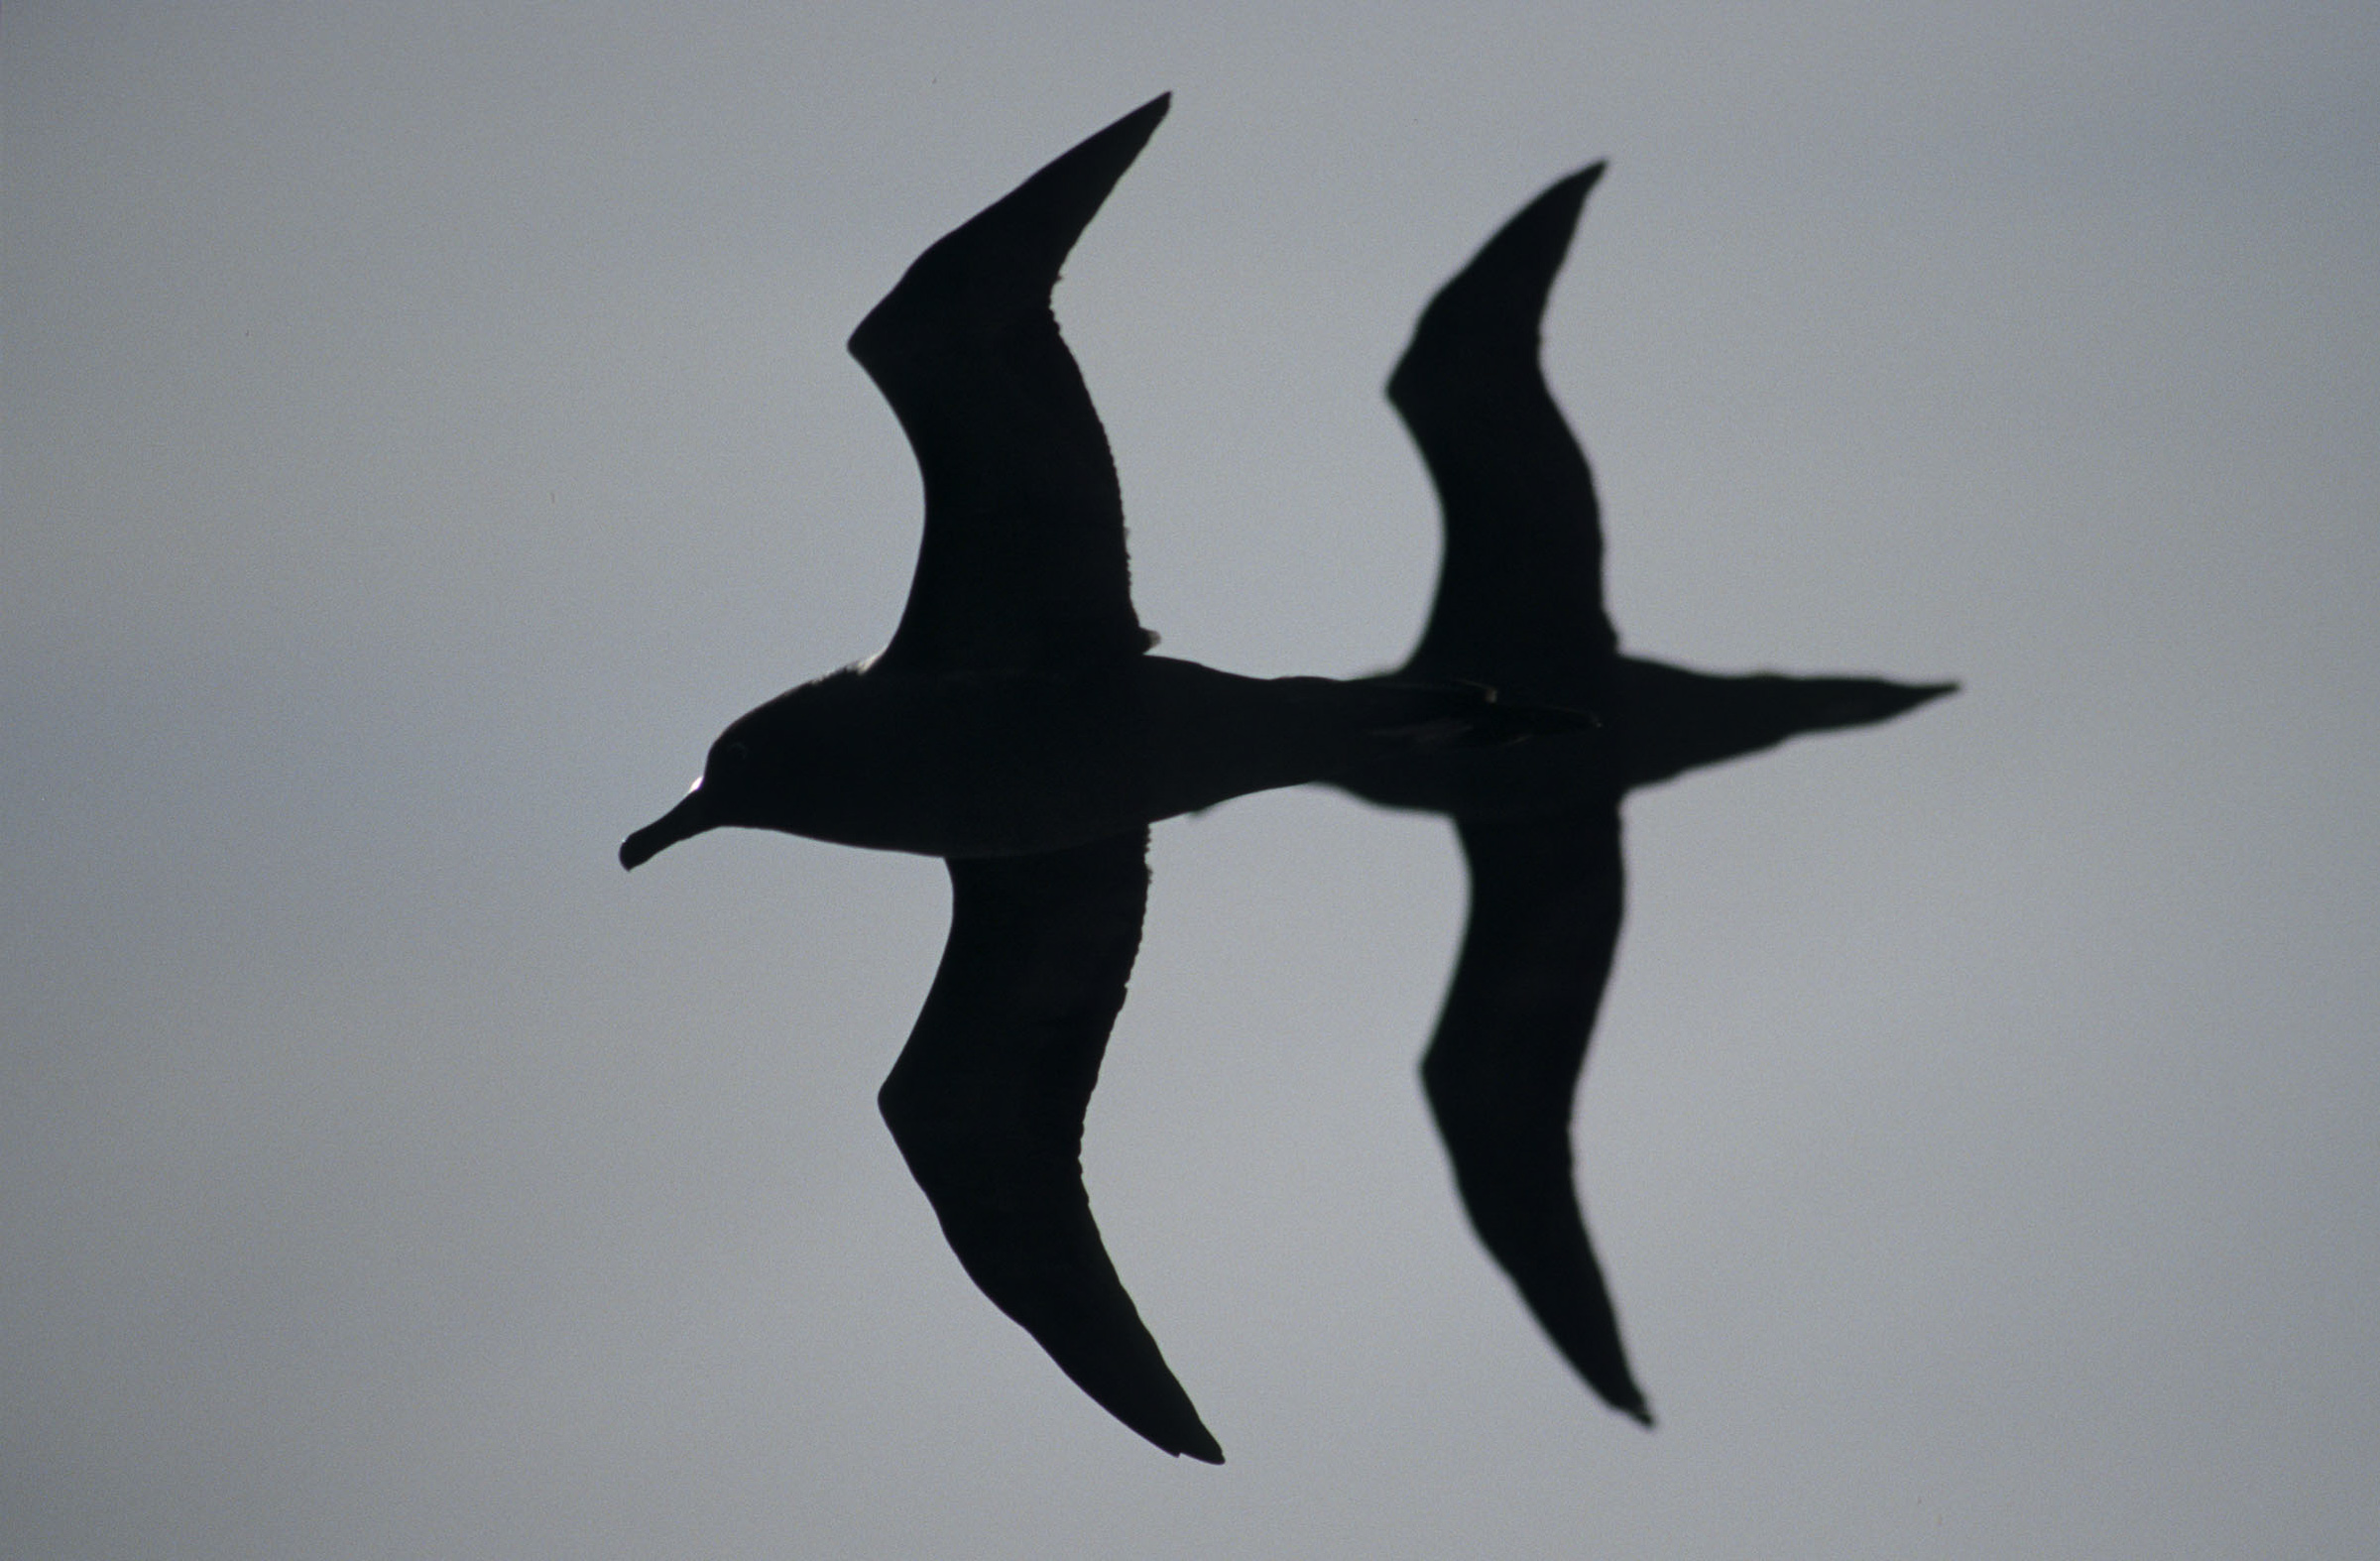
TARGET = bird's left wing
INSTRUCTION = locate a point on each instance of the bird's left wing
(986, 1104)
(1023, 559)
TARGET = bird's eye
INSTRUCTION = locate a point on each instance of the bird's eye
(732, 755)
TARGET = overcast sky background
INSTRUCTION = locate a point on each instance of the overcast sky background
(426, 425)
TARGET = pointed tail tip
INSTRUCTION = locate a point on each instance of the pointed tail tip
(1927, 693)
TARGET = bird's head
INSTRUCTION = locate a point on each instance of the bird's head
(732, 785)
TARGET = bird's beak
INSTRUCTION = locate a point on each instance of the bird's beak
(690, 818)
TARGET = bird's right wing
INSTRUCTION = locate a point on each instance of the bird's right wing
(986, 1104)
(1520, 587)
(1023, 559)
(1503, 1067)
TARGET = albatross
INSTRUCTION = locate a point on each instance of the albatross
(1519, 607)
(1017, 726)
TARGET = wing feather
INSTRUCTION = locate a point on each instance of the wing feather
(1521, 591)
(988, 1099)
(1503, 1067)
(1023, 562)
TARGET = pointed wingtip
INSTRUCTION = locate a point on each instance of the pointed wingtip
(1495, 303)
(1006, 258)
(1534, 241)
(1115, 144)
(1540, 232)
(1571, 188)
(1206, 1450)
(1155, 109)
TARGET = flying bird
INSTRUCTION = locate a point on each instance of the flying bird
(1520, 607)
(1015, 726)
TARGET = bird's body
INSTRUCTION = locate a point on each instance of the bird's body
(1010, 761)
(1519, 606)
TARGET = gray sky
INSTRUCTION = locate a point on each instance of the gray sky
(426, 425)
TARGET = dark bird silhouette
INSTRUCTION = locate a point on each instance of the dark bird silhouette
(1015, 726)
(1520, 607)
